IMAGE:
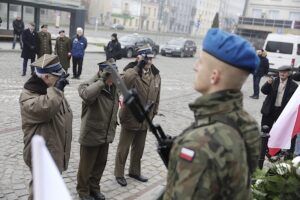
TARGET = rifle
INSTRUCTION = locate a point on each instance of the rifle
(132, 101)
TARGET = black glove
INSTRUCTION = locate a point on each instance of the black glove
(62, 82)
(104, 75)
(141, 64)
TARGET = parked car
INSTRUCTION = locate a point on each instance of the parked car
(131, 43)
(117, 27)
(179, 47)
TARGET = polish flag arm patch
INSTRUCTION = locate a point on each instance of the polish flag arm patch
(187, 154)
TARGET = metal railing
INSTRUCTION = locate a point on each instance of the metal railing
(269, 22)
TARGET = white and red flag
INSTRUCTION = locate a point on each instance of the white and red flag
(47, 181)
(286, 127)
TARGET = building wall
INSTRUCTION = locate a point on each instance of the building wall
(206, 10)
(274, 9)
(179, 16)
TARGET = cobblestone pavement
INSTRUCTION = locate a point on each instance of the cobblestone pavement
(177, 91)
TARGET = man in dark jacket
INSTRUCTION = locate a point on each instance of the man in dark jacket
(45, 44)
(279, 92)
(145, 78)
(98, 126)
(79, 44)
(260, 72)
(18, 25)
(30, 41)
(113, 48)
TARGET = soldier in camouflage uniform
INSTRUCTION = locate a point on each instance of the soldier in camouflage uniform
(214, 157)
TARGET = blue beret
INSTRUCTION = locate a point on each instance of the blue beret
(231, 49)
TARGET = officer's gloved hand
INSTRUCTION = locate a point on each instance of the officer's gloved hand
(141, 64)
(104, 75)
(139, 68)
(62, 82)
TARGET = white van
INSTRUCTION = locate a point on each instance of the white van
(282, 49)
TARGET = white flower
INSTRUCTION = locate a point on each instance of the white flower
(296, 161)
(283, 168)
(258, 182)
(298, 171)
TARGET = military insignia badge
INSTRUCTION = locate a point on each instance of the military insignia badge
(187, 154)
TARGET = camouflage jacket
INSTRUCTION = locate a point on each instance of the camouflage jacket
(209, 159)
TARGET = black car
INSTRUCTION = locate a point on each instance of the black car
(179, 47)
(131, 43)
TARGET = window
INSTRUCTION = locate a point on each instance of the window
(279, 47)
(298, 49)
(273, 14)
(295, 16)
(256, 13)
(153, 24)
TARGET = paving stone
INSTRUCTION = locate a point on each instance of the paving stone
(177, 91)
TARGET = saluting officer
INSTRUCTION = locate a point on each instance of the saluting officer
(214, 157)
(46, 112)
(45, 45)
(145, 78)
(98, 126)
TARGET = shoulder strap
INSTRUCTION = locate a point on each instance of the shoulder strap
(226, 120)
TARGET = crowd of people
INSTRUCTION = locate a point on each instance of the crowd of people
(213, 158)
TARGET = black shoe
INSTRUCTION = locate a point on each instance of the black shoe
(122, 181)
(97, 195)
(254, 97)
(23, 75)
(86, 198)
(74, 77)
(78, 77)
(139, 178)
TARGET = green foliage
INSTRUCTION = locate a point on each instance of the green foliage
(279, 182)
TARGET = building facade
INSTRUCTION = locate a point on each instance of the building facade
(269, 16)
(206, 10)
(178, 16)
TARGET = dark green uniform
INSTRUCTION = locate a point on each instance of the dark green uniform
(133, 133)
(98, 126)
(45, 45)
(213, 159)
(62, 48)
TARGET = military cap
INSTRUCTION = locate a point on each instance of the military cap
(284, 68)
(145, 50)
(61, 31)
(231, 49)
(48, 64)
(104, 66)
(44, 26)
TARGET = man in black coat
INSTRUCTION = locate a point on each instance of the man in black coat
(113, 48)
(279, 91)
(30, 41)
(18, 25)
(260, 72)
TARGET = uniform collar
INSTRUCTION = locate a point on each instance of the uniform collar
(217, 103)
